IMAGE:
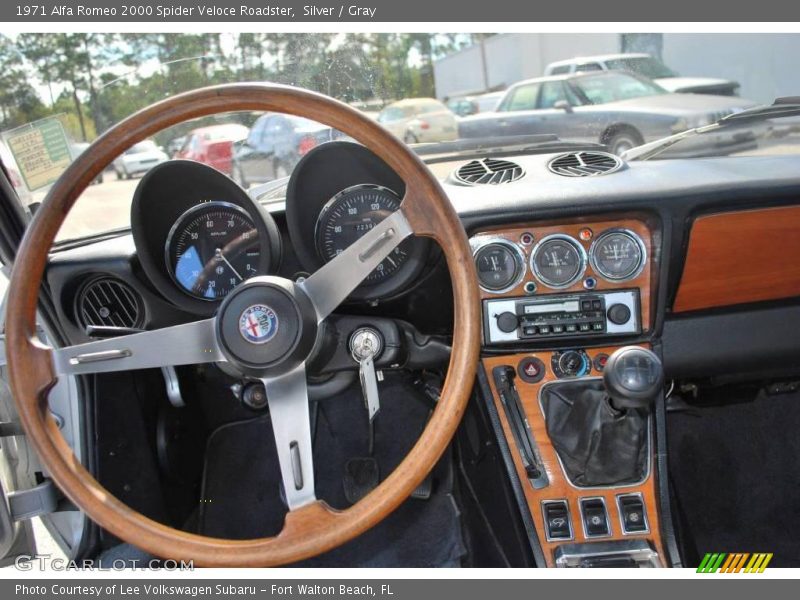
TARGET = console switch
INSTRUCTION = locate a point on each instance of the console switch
(633, 513)
(556, 520)
(595, 517)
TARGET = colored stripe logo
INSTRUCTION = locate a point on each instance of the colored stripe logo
(737, 562)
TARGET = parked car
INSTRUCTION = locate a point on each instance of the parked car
(175, 144)
(138, 159)
(646, 65)
(213, 145)
(472, 105)
(418, 120)
(274, 145)
(620, 110)
(78, 148)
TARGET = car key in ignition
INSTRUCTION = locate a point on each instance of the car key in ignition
(366, 345)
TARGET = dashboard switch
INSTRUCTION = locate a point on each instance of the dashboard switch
(595, 517)
(633, 514)
(556, 520)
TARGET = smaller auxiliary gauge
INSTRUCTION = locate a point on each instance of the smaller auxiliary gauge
(500, 265)
(571, 363)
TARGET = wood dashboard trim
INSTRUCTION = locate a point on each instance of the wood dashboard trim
(741, 257)
(559, 487)
(643, 281)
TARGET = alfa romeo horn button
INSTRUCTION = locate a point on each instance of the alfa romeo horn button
(258, 324)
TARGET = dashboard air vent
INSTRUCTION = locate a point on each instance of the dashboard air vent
(489, 171)
(109, 302)
(585, 164)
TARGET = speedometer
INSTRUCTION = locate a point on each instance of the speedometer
(352, 213)
(212, 248)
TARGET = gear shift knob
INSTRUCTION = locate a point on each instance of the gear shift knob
(633, 378)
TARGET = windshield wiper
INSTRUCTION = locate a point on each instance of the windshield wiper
(782, 107)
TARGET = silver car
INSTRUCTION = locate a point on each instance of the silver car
(620, 110)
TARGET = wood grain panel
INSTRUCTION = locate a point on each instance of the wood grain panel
(560, 488)
(740, 257)
(572, 229)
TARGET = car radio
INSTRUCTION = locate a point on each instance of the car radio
(561, 316)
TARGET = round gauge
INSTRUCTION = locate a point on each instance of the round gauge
(617, 255)
(349, 215)
(500, 266)
(211, 249)
(558, 260)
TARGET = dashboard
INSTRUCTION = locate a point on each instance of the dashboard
(555, 253)
(691, 258)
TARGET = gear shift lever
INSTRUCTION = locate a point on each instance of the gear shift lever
(633, 378)
(600, 431)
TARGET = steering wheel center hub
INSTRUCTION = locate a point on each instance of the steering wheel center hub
(266, 326)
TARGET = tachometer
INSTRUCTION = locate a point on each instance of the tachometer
(212, 248)
(349, 215)
(558, 260)
(617, 255)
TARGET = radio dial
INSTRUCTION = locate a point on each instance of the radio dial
(507, 322)
(619, 314)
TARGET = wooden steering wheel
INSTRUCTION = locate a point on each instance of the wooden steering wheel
(311, 526)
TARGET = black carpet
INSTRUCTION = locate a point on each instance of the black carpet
(241, 496)
(735, 470)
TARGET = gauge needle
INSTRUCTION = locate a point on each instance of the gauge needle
(221, 256)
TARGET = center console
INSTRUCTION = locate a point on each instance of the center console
(559, 301)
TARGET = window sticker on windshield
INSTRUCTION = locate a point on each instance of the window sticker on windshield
(41, 151)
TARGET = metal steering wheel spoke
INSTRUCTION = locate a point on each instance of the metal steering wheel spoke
(191, 343)
(287, 396)
(330, 285)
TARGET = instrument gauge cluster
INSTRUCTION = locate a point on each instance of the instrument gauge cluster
(572, 256)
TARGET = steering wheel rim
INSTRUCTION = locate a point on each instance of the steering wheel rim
(314, 527)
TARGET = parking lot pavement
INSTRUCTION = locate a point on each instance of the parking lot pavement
(101, 207)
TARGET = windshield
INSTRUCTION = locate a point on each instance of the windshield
(60, 91)
(642, 65)
(613, 87)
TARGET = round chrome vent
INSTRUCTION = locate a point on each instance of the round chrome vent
(489, 171)
(585, 164)
(109, 302)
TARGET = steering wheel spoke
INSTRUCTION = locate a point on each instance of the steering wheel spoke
(332, 283)
(191, 343)
(287, 396)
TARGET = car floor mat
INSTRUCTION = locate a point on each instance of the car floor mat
(241, 489)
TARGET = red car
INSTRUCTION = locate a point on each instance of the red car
(213, 145)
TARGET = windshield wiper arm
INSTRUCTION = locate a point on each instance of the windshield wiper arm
(782, 107)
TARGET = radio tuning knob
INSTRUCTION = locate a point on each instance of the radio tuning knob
(507, 322)
(619, 314)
